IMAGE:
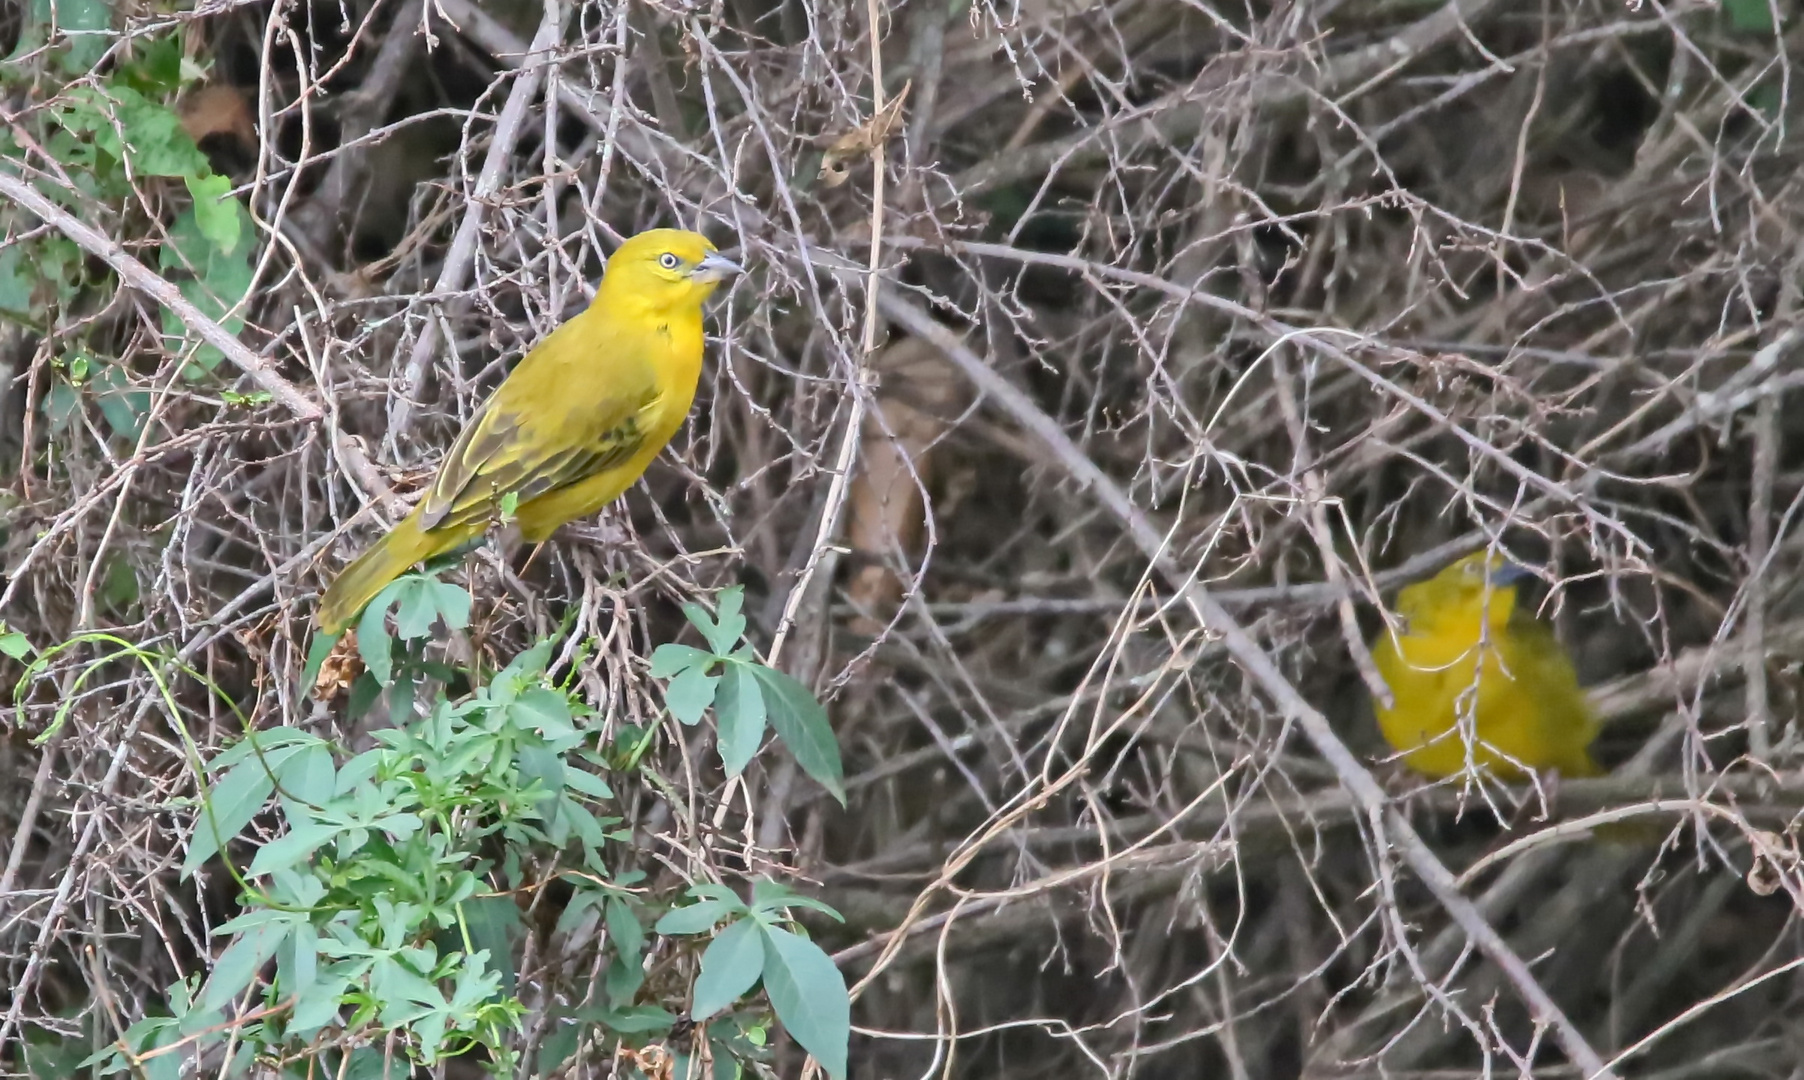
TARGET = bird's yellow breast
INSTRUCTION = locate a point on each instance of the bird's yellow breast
(1472, 689)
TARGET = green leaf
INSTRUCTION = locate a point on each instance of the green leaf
(248, 921)
(119, 587)
(13, 644)
(238, 965)
(61, 405)
(730, 967)
(368, 1063)
(273, 745)
(556, 1048)
(215, 211)
(495, 923)
(637, 1020)
(773, 896)
(416, 608)
(233, 802)
(586, 783)
(740, 710)
(297, 845)
(357, 770)
(582, 823)
(671, 659)
(709, 890)
(453, 604)
(402, 996)
(61, 265)
(689, 695)
(364, 693)
(623, 979)
(802, 724)
(697, 918)
(542, 710)
(525, 667)
(624, 928)
(155, 68)
(221, 280)
(572, 915)
(540, 765)
(373, 642)
(809, 996)
(85, 48)
(318, 1005)
(297, 961)
(1767, 99)
(155, 143)
(309, 775)
(723, 632)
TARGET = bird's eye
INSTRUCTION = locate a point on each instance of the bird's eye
(669, 261)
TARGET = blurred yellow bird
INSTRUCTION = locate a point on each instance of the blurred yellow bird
(575, 423)
(1475, 680)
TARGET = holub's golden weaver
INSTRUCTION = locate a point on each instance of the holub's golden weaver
(575, 423)
(1466, 651)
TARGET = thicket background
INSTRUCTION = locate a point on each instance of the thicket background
(1294, 301)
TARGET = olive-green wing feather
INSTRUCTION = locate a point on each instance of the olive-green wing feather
(502, 451)
(1537, 661)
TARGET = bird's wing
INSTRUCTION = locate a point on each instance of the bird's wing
(509, 447)
(1540, 664)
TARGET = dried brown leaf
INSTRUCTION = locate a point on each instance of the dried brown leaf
(218, 110)
(339, 669)
(836, 164)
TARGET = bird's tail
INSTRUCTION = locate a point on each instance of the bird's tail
(386, 560)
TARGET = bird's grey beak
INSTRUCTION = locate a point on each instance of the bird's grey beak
(1509, 573)
(715, 267)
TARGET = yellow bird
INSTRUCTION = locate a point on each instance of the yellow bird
(1468, 666)
(575, 423)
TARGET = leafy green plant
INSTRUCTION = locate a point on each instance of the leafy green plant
(110, 139)
(806, 991)
(397, 663)
(745, 695)
(77, 27)
(382, 904)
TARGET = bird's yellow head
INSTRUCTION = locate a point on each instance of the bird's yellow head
(665, 270)
(1483, 584)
